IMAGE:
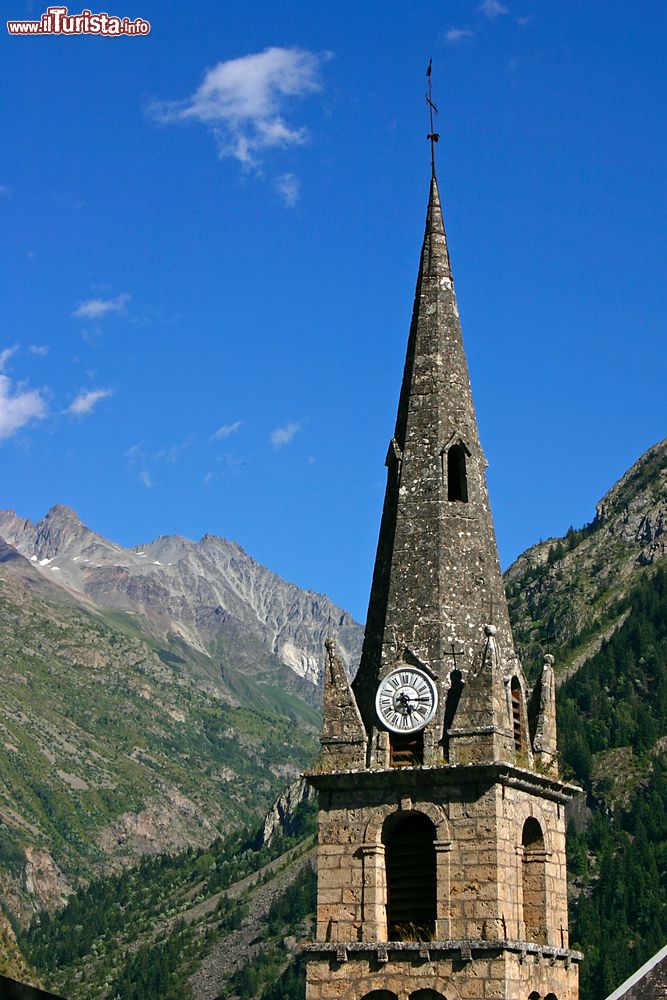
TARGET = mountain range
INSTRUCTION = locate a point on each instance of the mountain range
(181, 741)
(209, 596)
(152, 698)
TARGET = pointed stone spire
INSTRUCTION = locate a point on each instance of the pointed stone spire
(343, 735)
(437, 581)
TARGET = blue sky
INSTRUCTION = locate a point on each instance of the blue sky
(210, 239)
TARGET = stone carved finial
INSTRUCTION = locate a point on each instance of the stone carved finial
(490, 630)
(544, 705)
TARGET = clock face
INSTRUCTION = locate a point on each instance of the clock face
(406, 700)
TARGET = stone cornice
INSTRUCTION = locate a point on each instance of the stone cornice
(426, 778)
(465, 950)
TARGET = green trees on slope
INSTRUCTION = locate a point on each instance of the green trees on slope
(618, 865)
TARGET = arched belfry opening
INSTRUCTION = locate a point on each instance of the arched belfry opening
(379, 995)
(451, 705)
(518, 715)
(534, 882)
(410, 860)
(457, 480)
(427, 995)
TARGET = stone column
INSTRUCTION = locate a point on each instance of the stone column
(374, 893)
(443, 850)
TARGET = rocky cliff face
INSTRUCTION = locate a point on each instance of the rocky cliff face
(206, 594)
(561, 591)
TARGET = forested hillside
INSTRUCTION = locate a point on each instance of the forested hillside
(613, 719)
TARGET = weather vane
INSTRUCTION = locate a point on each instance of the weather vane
(433, 136)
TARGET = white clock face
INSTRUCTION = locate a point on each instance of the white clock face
(406, 700)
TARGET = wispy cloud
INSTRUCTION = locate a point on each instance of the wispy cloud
(492, 8)
(6, 354)
(458, 34)
(41, 350)
(5, 191)
(284, 435)
(18, 405)
(173, 452)
(243, 101)
(135, 453)
(97, 308)
(86, 401)
(226, 431)
(288, 187)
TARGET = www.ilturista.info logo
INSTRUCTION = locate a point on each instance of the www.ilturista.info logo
(57, 21)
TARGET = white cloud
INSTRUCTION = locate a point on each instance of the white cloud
(96, 308)
(458, 34)
(288, 187)
(5, 191)
(492, 8)
(207, 478)
(226, 431)
(86, 401)
(242, 101)
(284, 435)
(18, 405)
(41, 350)
(6, 355)
(146, 479)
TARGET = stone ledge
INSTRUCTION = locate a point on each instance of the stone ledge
(421, 948)
(429, 775)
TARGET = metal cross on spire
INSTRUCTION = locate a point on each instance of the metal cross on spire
(433, 136)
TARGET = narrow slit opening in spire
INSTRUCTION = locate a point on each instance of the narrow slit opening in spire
(457, 482)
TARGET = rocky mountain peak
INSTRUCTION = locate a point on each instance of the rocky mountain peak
(205, 593)
(635, 509)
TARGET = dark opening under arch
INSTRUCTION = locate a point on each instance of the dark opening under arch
(457, 482)
(427, 995)
(411, 878)
(379, 995)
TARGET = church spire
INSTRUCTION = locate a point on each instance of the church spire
(437, 587)
(441, 827)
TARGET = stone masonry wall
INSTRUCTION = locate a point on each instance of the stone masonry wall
(502, 976)
(479, 858)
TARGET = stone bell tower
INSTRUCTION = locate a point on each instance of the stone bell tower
(441, 853)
